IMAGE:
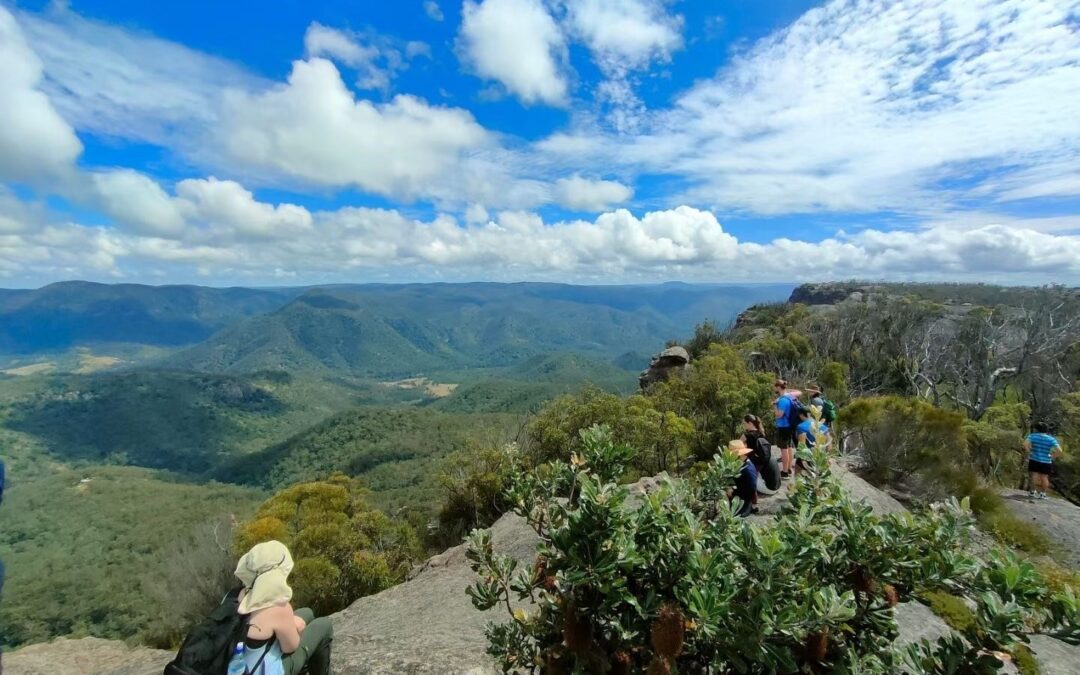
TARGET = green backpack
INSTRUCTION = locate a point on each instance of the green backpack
(828, 411)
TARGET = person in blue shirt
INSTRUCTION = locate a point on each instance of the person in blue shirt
(805, 433)
(785, 434)
(1042, 449)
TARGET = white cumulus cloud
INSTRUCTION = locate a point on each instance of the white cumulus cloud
(35, 141)
(352, 244)
(137, 201)
(585, 194)
(519, 44)
(625, 34)
(315, 129)
(228, 207)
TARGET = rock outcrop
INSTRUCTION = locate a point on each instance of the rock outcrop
(428, 626)
(671, 361)
(1058, 519)
(823, 294)
(84, 656)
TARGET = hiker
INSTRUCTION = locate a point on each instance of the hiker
(746, 484)
(806, 435)
(827, 410)
(1042, 449)
(784, 408)
(754, 438)
(278, 641)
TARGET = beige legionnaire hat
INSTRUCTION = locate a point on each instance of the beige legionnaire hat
(264, 571)
(738, 448)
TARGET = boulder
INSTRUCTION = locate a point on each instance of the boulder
(662, 366)
(65, 656)
(427, 625)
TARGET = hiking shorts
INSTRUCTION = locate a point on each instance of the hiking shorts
(785, 437)
(1045, 468)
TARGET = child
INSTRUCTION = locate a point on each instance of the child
(1042, 449)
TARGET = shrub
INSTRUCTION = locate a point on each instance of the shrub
(343, 548)
(714, 395)
(676, 583)
(663, 436)
(474, 483)
(994, 443)
(1067, 478)
(903, 438)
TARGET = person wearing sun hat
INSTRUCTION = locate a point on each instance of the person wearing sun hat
(746, 484)
(279, 641)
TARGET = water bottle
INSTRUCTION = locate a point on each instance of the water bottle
(237, 666)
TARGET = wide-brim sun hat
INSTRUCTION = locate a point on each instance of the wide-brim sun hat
(264, 571)
(738, 448)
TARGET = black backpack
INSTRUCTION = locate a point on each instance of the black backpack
(762, 451)
(209, 646)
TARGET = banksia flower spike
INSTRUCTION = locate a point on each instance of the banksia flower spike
(620, 663)
(817, 645)
(577, 631)
(659, 666)
(891, 596)
(862, 581)
(668, 631)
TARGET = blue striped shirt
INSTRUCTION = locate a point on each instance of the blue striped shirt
(1041, 447)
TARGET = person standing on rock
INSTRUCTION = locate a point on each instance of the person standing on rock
(1042, 449)
(785, 426)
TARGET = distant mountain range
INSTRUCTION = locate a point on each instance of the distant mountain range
(411, 329)
(74, 313)
(376, 330)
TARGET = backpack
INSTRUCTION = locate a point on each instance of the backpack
(828, 411)
(794, 411)
(762, 451)
(208, 648)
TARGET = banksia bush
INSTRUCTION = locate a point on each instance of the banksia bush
(670, 585)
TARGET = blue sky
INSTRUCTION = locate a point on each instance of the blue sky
(578, 140)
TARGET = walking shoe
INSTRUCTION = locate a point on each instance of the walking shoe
(1032, 494)
(1042, 495)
